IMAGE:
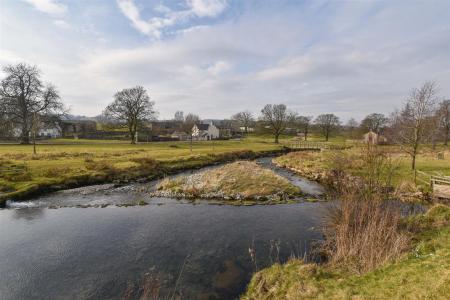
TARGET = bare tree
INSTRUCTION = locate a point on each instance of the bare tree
(244, 119)
(351, 127)
(276, 117)
(374, 122)
(189, 122)
(132, 107)
(413, 125)
(444, 119)
(304, 122)
(23, 96)
(179, 116)
(327, 124)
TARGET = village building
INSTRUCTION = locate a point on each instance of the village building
(205, 132)
(180, 135)
(374, 138)
(249, 129)
(77, 128)
(50, 131)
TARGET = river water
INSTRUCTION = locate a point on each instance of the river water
(196, 250)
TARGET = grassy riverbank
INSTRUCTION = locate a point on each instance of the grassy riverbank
(421, 273)
(397, 165)
(62, 164)
(242, 180)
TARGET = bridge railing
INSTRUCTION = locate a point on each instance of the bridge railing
(440, 180)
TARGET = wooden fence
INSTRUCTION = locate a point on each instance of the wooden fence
(306, 145)
(438, 183)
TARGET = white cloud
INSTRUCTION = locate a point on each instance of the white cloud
(61, 24)
(261, 56)
(219, 67)
(51, 7)
(154, 26)
(207, 8)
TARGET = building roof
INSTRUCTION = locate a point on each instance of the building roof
(202, 126)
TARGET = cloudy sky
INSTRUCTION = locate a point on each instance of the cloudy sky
(217, 57)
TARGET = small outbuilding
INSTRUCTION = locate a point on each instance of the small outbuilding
(374, 138)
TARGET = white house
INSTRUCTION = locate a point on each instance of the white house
(50, 131)
(205, 132)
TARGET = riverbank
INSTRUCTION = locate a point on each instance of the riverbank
(242, 181)
(422, 272)
(58, 167)
(332, 168)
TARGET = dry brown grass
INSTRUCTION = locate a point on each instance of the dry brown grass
(363, 230)
(244, 178)
(363, 234)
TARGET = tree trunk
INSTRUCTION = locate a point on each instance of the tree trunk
(413, 165)
(25, 135)
(133, 136)
(447, 131)
(276, 138)
(327, 134)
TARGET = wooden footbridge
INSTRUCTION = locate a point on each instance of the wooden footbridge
(439, 184)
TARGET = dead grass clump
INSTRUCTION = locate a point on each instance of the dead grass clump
(101, 166)
(18, 177)
(57, 172)
(146, 162)
(363, 230)
(240, 180)
(363, 234)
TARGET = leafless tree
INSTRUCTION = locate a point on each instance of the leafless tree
(23, 96)
(413, 124)
(374, 122)
(244, 119)
(131, 107)
(444, 119)
(351, 127)
(189, 122)
(304, 122)
(179, 116)
(327, 124)
(276, 117)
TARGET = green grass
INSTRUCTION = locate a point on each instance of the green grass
(422, 273)
(80, 162)
(312, 163)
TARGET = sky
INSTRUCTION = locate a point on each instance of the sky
(218, 57)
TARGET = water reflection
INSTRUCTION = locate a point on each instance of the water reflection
(99, 253)
(29, 214)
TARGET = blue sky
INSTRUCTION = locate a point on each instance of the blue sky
(217, 57)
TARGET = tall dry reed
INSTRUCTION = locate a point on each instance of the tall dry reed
(363, 228)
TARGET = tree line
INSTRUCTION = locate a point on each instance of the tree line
(25, 102)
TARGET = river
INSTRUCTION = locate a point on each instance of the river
(196, 250)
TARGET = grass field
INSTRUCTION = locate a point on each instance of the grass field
(79, 162)
(422, 273)
(311, 163)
